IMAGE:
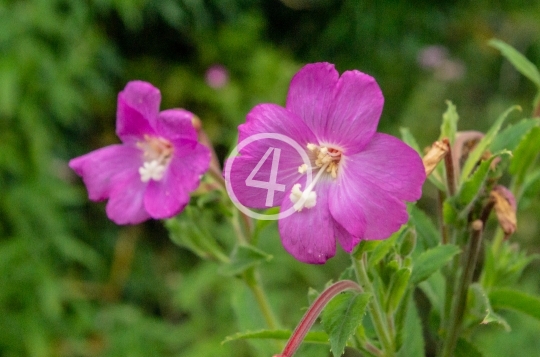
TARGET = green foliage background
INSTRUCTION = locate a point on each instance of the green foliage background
(74, 284)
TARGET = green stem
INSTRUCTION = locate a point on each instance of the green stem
(460, 298)
(251, 277)
(375, 311)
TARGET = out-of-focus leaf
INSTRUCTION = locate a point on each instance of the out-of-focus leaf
(511, 136)
(515, 300)
(481, 147)
(409, 139)
(525, 155)
(341, 317)
(520, 62)
(466, 349)
(243, 258)
(184, 231)
(432, 260)
(479, 309)
(449, 124)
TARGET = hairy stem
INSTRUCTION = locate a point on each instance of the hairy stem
(313, 312)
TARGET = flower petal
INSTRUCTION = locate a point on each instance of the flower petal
(390, 164)
(344, 238)
(265, 193)
(169, 196)
(273, 119)
(311, 94)
(99, 168)
(363, 208)
(138, 108)
(309, 234)
(125, 204)
(355, 111)
(175, 124)
(264, 155)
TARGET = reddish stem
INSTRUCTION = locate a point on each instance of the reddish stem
(313, 312)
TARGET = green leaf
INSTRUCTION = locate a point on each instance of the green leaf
(383, 248)
(409, 139)
(479, 309)
(427, 233)
(466, 349)
(432, 260)
(342, 316)
(313, 336)
(520, 62)
(472, 187)
(511, 136)
(411, 334)
(486, 141)
(525, 155)
(184, 232)
(449, 124)
(398, 287)
(244, 257)
(515, 300)
(434, 289)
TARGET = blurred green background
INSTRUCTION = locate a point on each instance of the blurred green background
(74, 284)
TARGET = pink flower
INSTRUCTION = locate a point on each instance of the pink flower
(361, 178)
(216, 76)
(159, 162)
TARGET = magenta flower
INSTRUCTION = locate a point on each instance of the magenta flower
(159, 162)
(361, 178)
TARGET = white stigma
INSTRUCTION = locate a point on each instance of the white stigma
(157, 153)
(301, 199)
(152, 170)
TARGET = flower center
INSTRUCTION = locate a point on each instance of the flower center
(326, 161)
(157, 153)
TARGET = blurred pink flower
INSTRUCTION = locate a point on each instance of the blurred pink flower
(217, 76)
(159, 162)
(362, 177)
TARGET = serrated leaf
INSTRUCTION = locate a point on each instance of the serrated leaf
(481, 147)
(515, 300)
(411, 334)
(449, 124)
(510, 137)
(244, 257)
(432, 260)
(312, 336)
(520, 62)
(341, 318)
